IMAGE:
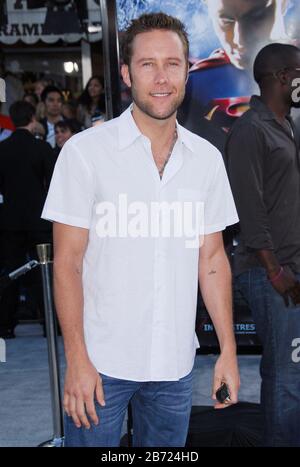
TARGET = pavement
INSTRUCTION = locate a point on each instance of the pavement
(25, 404)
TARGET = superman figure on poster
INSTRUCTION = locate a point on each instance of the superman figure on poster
(219, 86)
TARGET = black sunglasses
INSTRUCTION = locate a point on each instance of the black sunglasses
(275, 73)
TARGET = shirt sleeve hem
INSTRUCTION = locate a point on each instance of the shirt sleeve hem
(220, 226)
(74, 221)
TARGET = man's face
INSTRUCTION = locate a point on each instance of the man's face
(245, 26)
(157, 73)
(53, 104)
(62, 135)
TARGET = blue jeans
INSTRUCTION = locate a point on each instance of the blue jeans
(278, 328)
(160, 410)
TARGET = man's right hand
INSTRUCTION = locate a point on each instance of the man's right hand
(82, 385)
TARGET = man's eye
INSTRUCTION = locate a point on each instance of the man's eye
(257, 15)
(147, 64)
(173, 64)
(226, 23)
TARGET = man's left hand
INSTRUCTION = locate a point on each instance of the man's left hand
(226, 371)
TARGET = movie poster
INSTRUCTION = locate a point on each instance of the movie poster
(225, 36)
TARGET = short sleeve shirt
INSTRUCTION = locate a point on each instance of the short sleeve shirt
(140, 269)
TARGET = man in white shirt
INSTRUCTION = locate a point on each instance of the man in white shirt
(131, 200)
(52, 98)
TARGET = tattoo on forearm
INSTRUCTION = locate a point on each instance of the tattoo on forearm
(212, 272)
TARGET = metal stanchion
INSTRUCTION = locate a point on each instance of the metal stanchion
(8, 278)
(44, 254)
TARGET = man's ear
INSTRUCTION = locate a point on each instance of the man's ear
(126, 75)
(282, 77)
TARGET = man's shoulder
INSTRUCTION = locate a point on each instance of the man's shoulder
(93, 140)
(102, 130)
(42, 145)
(7, 143)
(22, 141)
(249, 119)
(198, 145)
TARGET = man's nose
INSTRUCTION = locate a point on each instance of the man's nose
(237, 35)
(161, 76)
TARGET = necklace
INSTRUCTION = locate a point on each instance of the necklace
(161, 170)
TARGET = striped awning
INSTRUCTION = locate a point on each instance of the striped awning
(30, 21)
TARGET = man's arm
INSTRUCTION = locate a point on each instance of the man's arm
(82, 380)
(246, 154)
(216, 289)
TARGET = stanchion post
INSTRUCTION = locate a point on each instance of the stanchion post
(44, 252)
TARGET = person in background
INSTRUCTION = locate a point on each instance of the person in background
(39, 87)
(26, 166)
(91, 101)
(69, 109)
(31, 98)
(53, 100)
(14, 87)
(63, 131)
(262, 153)
(6, 125)
(39, 130)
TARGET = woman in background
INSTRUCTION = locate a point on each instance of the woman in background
(91, 101)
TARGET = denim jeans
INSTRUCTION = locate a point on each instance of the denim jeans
(160, 410)
(278, 328)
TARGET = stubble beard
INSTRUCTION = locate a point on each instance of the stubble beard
(148, 109)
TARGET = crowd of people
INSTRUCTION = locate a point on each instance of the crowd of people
(31, 138)
(53, 105)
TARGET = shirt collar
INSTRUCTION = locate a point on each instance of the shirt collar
(184, 136)
(266, 114)
(129, 132)
(260, 107)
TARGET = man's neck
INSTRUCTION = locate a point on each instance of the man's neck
(160, 132)
(53, 119)
(28, 128)
(279, 108)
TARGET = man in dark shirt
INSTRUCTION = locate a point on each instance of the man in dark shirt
(26, 166)
(262, 153)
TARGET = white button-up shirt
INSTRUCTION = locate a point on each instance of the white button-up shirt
(139, 284)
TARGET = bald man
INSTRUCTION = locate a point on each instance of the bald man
(264, 170)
